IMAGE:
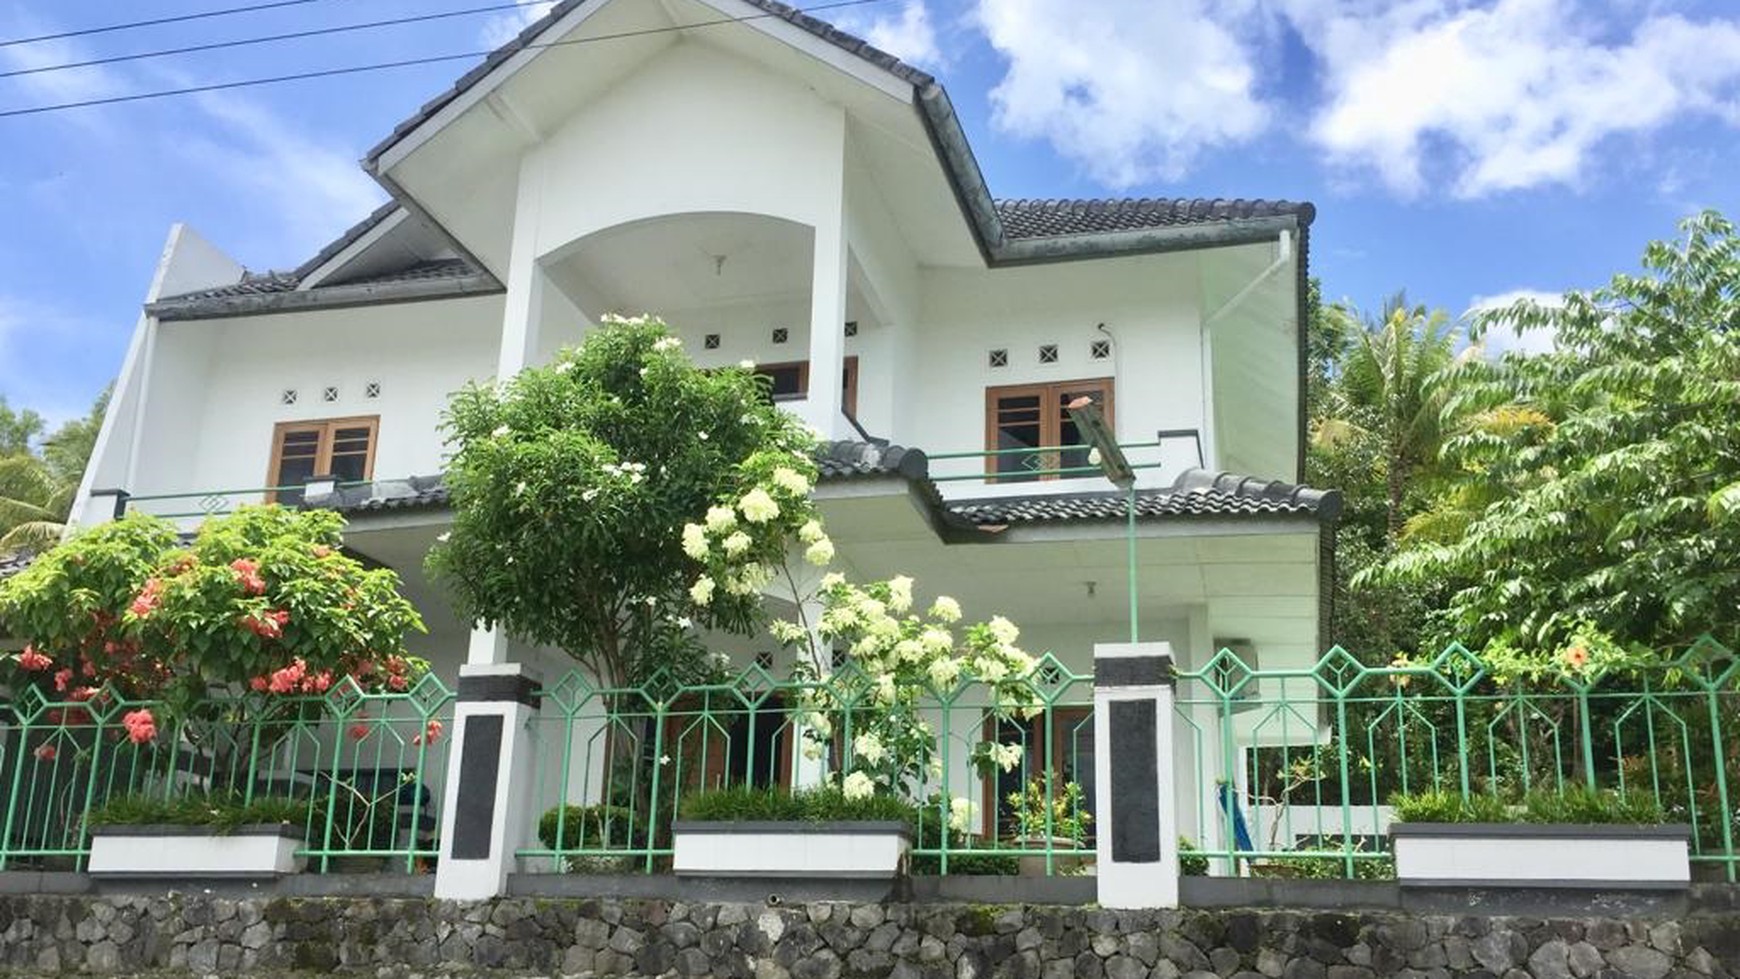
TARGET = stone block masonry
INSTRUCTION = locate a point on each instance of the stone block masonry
(407, 937)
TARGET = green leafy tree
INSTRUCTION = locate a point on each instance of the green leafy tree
(1614, 501)
(571, 484)
(18, 429)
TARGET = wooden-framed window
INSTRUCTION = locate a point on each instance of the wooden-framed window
(343, 448)
(791, 380)
(1036, 416)
(1064, 748)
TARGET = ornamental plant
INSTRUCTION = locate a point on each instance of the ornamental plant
(261, 608)
(765, 530)
(571, 483)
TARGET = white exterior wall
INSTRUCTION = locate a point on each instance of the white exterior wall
(1149, 303)
(692, 130)
(216, 387)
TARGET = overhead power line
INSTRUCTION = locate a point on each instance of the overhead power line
(266, 39)
(403, 63)
(130, 25)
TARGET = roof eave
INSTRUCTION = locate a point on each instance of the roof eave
(330, 297)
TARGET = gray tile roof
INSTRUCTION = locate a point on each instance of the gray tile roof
(1196, 493)
(1023, 219)
(265, 283)
(11, 564)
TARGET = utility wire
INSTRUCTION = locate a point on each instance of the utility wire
(242, 42)
(153, 23)
(404, 63)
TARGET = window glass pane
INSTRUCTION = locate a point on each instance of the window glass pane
(788, 380)
(1018, 425)
(350, 454)
(297, 452)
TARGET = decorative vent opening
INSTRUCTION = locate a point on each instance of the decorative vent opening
(1100, 349)
(288, 397)
(999, 358)
(1048, 353)
(781, 335)
(372, 389)
(329, 393)
(851, 328)
(711, 341)
(764, 659)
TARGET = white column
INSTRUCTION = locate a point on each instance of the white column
(522, 309)
(487, 646)
(1137, 839)
(828, 324)
(486, 810)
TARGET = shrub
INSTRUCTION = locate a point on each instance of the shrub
(817, 805)
(1575, 804)
(590, 828)
(928, 829)
(223, 812)
(1191, 862)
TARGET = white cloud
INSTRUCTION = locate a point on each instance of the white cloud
(1505, 339)
(43, 356)
(502, 28)
(908, 35)
(1507, 95)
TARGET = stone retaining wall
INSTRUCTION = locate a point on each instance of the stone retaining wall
(43, 934)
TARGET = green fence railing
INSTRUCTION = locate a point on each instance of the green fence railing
(362, 771)
(1292, 769)
(616, 765)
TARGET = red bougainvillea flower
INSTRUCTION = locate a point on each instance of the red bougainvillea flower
(397, 683)
(359, 730)
(141, 726)
(248, 574)
(259, 684)
(44, 752)
(148, 598)
(317, 683)
(63, 679)
(31, 659)
(434, 730)
(288, 679)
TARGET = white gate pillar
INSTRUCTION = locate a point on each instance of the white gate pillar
(1135, 800)
(486, 803)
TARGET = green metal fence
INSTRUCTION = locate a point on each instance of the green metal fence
(1290, 771)
(616, 765)
(361, 770)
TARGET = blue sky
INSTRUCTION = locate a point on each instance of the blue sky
(1456, 148)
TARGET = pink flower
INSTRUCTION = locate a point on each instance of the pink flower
(82, 694)
(141, 726)
(32, 660)
(63, 679)
(289, 678)
(248, 573)
(359, 730)
(148, 598)
(260, 684)
(397, 682)
(44, 752)
(434, 729)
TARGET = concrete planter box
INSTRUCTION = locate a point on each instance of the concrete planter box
(266, 850)
(777, 849)
(1541, 855)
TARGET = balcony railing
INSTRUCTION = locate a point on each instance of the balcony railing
(1026, 470)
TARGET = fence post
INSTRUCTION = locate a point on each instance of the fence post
(1136, 799)
(486, 802)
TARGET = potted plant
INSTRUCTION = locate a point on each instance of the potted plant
(1054, 822)
(209, 836)
(821, 832)
(1575, 838)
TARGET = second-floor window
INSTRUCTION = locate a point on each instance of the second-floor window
(792, 380)
(1036, 416)
(343, 448)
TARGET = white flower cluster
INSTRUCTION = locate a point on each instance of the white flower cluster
(634, 472)
(666, 343)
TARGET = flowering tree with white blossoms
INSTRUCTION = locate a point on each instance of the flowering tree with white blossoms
(570, 485)
(902, 656)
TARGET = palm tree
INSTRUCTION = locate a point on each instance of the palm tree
(33, 504)
(1385, 398)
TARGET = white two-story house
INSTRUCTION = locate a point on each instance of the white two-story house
(778, 191)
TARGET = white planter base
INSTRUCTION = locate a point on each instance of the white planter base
(846, 849)
(1544, 855)
(181, 851)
